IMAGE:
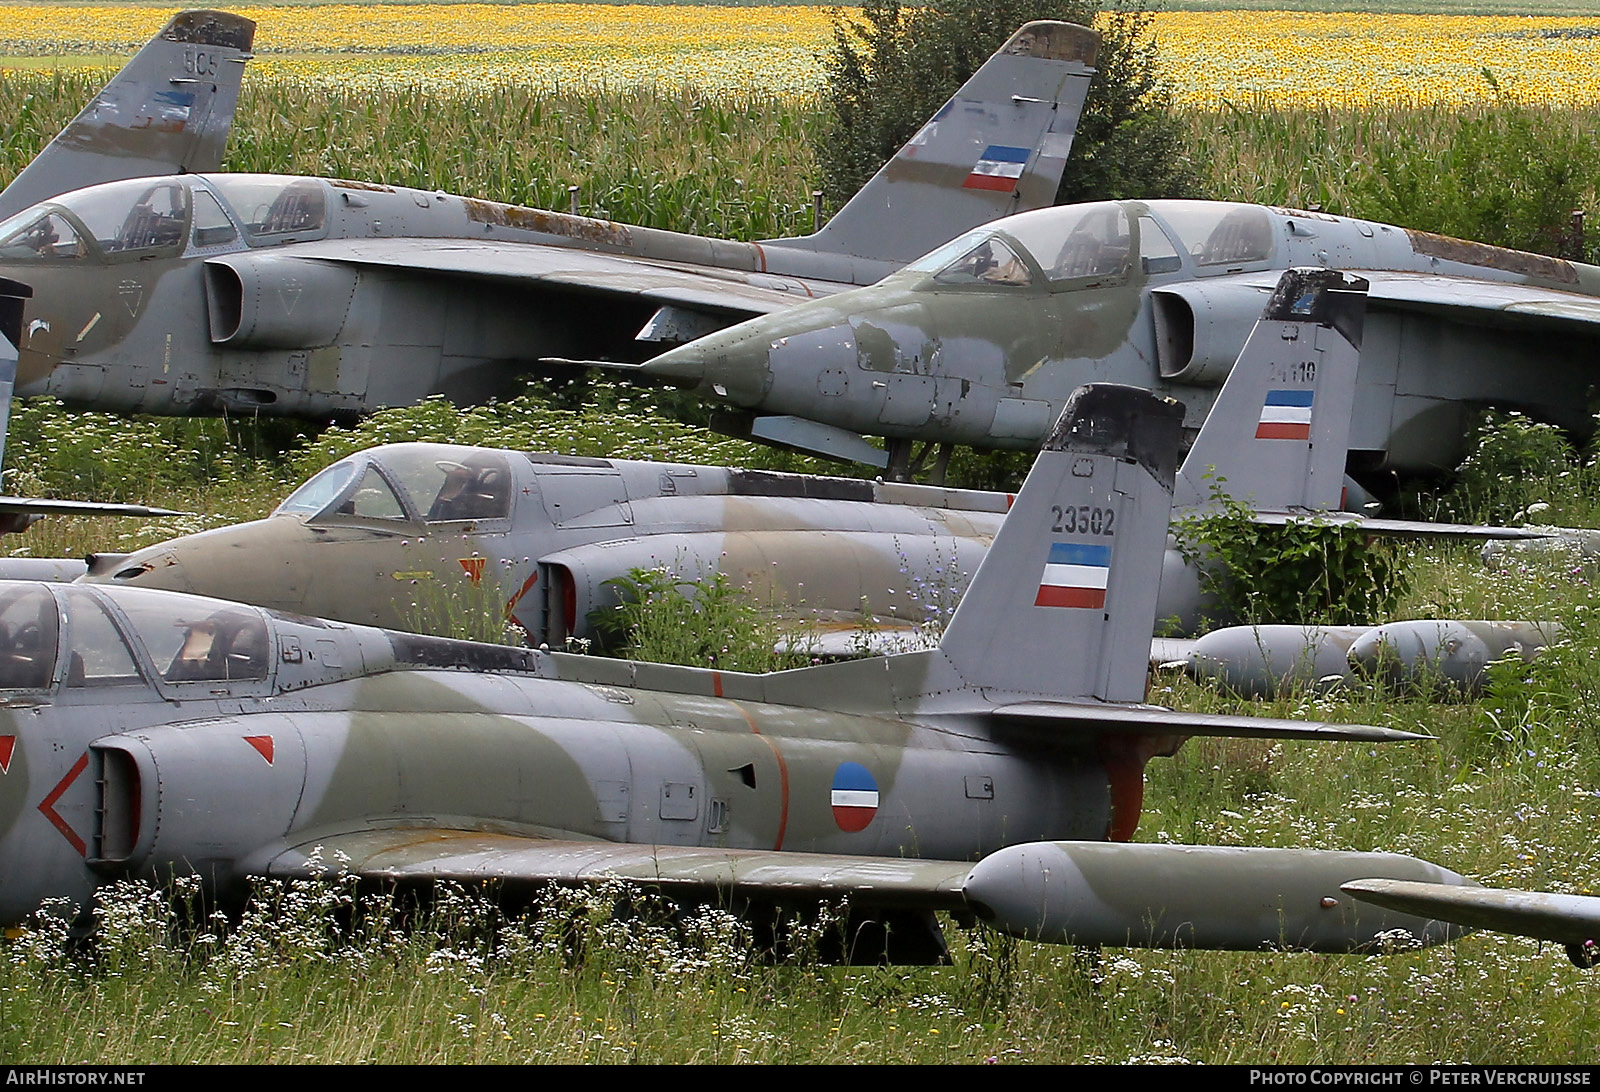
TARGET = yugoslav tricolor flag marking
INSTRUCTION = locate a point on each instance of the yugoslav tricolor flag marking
(1075, 575)
(1286, 415)
(998, 168)
(855, 797)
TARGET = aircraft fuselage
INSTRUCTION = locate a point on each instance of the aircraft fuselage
(151, 733)
(312, 297)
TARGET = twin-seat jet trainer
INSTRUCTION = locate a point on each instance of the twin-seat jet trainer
(198, 292)
(980, 341)
(147, 733)
(857, 564)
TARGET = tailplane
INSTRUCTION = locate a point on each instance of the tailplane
(998, 147)
(168, 111)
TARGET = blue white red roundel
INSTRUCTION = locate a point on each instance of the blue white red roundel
(855, 797)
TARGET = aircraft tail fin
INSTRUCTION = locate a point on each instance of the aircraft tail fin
(1064, 601)
(1280, 428)
(998, 147)
(168, 111)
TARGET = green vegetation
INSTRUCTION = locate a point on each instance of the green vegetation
(1305, 573)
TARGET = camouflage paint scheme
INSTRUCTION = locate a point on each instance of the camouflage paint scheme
(364, 540)
(220, 740)
(313, 297)
(981, 341)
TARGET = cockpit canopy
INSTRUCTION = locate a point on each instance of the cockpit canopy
(185, 638)
(1075, 246)
(148, 217)
(428, 483)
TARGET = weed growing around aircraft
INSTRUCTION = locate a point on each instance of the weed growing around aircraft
(671, 617)
(1303, 573)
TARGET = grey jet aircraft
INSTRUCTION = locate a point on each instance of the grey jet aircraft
(980, 341)
(364, 539)
(317, 297)
(148, 733)
(167, 111)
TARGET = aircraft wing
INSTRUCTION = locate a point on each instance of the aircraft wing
(35, 506)
(1565, 919)
(1403, 528)
(478, 857)
(1469, 300)
(734, 293)
(1134, 894)
(1498, 304)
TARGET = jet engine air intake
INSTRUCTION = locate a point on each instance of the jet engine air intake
(264, 301)
(1200, 326)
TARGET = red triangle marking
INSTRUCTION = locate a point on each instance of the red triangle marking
(262, 744)
(473, 566)
(7, 745)
(48, 805)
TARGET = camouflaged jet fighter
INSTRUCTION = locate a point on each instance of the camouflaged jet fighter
(317, 297)
(168, 110)
(364, 539)
(980, 341)
(149, 733)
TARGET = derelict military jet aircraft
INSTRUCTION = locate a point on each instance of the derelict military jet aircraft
(319, 297)
(553, 533)
(980, 341)
(147, 733)
(168, 110)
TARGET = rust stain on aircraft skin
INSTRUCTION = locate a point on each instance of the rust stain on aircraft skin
(1492, 257)
(347, 184)
(548, 223)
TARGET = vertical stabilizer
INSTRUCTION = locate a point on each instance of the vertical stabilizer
(1280, 429)
(1063, 604)
(167, 112)
(998, 147)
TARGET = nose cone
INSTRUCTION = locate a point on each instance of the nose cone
(750, 363)
(250, 562)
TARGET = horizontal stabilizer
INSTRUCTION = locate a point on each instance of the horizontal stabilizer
(1405, 528)
(1159, 720)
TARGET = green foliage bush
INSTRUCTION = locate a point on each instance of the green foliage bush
(889, 71)
(1517, 463)
(1303, 573)
(699, 621)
